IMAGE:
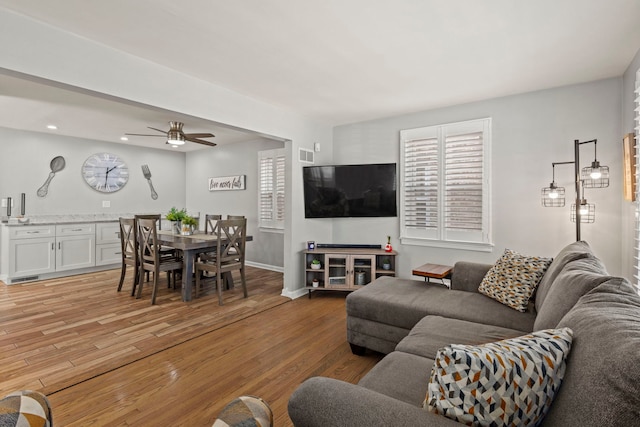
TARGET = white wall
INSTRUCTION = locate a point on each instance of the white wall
(24, 167)
(234, 159)
(530, 131)
(628, 125)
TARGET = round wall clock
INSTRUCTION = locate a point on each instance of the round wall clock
(105, 172)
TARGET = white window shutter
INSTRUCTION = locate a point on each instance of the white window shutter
(280, 187)
(271, 203)
(420, 188)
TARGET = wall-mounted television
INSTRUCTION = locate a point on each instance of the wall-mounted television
(338, 191)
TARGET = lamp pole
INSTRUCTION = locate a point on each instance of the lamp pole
(576, 165)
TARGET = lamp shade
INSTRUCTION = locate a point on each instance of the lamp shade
(595, 176)
(552, 196)
(587, 212)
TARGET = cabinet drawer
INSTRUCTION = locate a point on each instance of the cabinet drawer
(107, 254)
(32, 231)
(107, 232)
(74, 229)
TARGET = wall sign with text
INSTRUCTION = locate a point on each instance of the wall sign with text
(223, 183)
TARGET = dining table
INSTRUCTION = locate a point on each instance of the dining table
(190, 246)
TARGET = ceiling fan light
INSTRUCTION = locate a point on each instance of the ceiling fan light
(175, 138)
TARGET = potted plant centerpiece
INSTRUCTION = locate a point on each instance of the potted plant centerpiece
(189, 223)
(386, 263)
(176, 216)
(315, 264)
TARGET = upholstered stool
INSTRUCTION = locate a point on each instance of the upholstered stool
(245, 411)
(25, 408)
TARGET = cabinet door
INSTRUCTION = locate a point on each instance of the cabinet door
(362, 269)
(336, 271)
(75, 252)
(30, 257)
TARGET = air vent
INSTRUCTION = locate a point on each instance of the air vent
(305, 156)
(24, 279)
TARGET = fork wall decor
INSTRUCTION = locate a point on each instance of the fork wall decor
(147, 174)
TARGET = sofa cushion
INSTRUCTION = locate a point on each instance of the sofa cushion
(509, 382)
(576, 279)
(571, 252)
(403, 302)
(600, 386)
(513, 278)
(434, 332)
(397, 376)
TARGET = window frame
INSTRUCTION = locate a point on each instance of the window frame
(439, 236)
(276, 187)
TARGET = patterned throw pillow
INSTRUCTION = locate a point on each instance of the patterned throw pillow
(513, 278)
(25, 408)
(510, 382)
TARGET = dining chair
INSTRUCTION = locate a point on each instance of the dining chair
(230, 255)
(150, 258)
(129, 251)
(210, 227)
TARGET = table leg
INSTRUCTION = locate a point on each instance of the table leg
(187, 273)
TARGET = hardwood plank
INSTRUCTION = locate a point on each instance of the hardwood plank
(109, 359)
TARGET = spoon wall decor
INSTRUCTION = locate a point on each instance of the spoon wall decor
(57, 164)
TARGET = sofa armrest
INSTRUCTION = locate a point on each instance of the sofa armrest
(467, 276)
(322, 402)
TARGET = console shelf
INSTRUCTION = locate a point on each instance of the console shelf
(346, 269)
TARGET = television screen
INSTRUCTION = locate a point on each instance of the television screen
(367, 190)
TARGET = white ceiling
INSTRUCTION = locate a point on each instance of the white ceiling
(340, 61)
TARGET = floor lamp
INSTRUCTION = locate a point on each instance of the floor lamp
(595, 176)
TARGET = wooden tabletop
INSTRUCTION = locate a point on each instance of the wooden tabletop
(435, 271)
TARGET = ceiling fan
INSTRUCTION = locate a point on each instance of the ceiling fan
(175, 136)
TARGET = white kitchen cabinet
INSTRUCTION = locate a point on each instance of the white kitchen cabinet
(36, 252)
(75, 246)
(108, 250)
(31, 256)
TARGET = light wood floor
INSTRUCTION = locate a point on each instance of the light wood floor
(105, 358)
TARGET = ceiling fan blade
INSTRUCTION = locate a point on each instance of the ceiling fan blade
(143, 134)
(159, 130)
(200, 141)
(199, 135)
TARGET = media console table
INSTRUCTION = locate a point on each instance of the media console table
(346, 269)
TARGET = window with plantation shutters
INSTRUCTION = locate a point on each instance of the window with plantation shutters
(272, 188)
(445, 185)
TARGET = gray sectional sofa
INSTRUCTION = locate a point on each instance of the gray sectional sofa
(409, 320)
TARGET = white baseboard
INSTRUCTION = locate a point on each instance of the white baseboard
(265, 266)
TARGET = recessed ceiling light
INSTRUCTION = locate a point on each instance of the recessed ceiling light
(52, 127)
(124, 138)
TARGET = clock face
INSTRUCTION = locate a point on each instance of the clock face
(105, 172)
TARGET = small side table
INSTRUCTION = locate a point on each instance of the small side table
(433, 271)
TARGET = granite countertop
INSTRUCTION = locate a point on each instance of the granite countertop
(46, 219)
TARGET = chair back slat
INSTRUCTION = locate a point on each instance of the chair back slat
(128, 241)
(147, 238)
(211, 223)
